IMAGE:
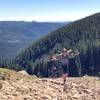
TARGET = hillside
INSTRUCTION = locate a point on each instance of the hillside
(82, 35)
(17, 86)
(16, 35)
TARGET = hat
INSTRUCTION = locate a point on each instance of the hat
(64, 49)
(69, 51)
(54, 58)
(59, 52)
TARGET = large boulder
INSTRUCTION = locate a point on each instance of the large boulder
(23, 73)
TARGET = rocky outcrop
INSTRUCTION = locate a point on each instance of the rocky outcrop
(21, 87)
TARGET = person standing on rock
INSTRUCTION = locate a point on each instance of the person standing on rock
(73, 69)
(65, 66)
(53, 67)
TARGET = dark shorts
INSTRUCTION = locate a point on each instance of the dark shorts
(65, 68)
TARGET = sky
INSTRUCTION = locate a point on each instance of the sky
(47, 10)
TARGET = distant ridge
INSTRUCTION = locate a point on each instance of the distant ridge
(16, 35)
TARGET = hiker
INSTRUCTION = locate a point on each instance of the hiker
(53, 67)
(59, 63)
(73, 69)
(64, 62)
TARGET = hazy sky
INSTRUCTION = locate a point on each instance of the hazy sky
(47, 10)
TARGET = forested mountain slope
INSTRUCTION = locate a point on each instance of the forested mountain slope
(82, 35)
